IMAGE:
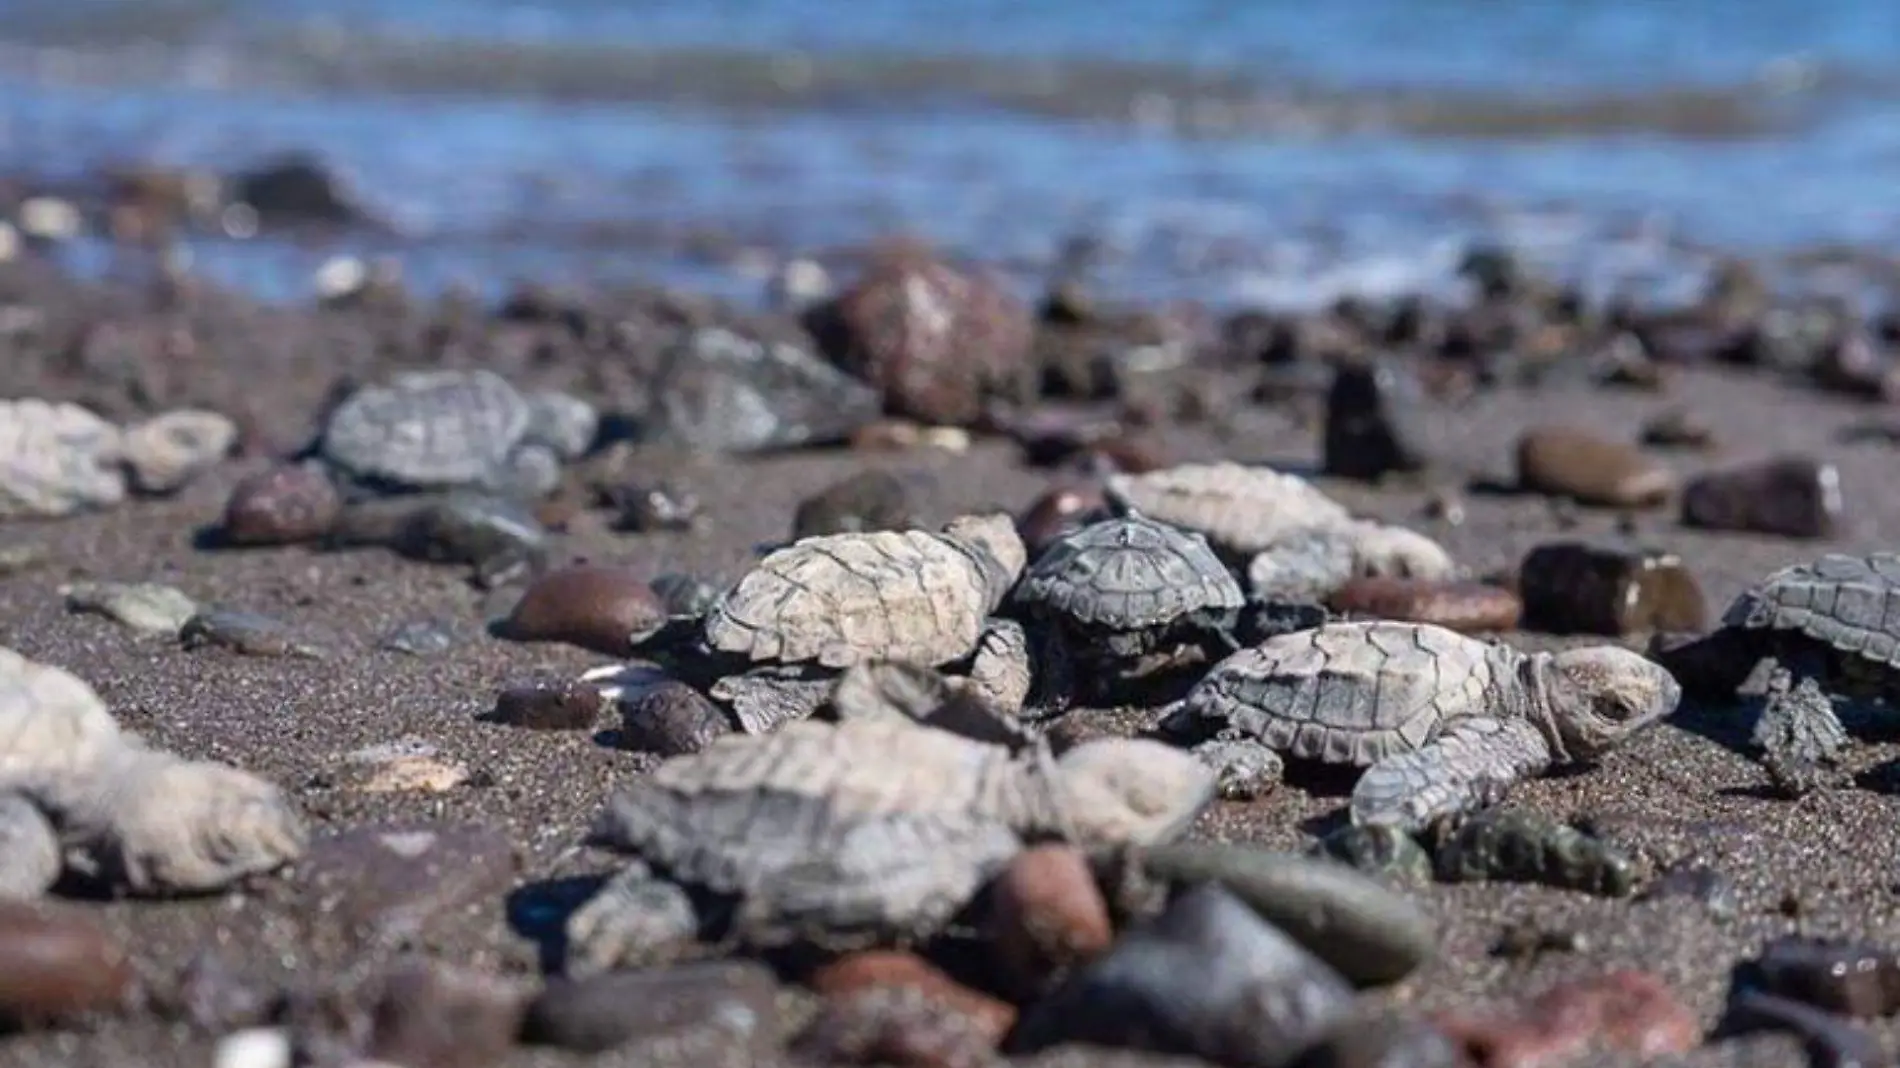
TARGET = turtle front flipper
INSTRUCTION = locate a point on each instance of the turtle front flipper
(1800, 732)
(1468, 767)
(634, 920)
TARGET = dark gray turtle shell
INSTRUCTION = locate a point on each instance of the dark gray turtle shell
(428, 429)
(1848, 603)
(1126, 574)
(1348, 693)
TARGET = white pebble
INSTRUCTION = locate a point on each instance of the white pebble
(257, 1047)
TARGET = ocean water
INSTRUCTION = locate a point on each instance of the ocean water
(1266, 153)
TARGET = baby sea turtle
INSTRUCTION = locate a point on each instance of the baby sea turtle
(1112, 592)
(1830, 626)
(773, 644)
(842, 836)
(1443, 723)
(1294, 542)
(433, 430)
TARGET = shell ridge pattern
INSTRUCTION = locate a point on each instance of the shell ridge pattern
(857, 628)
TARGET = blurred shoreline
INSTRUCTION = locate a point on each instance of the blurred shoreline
(1237, 159)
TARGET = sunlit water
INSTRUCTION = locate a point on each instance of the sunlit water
(1255, 152)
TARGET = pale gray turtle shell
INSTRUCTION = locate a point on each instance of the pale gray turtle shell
(1850, 603)
(836, 835)
(428, 428)
(1353, 693)
(1244, 510)
(841, 599)
(1128, 574)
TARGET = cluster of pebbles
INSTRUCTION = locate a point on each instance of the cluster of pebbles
(944, 781)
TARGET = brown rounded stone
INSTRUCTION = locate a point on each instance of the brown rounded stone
(1058, 511)
(886, 968)
(55, 963)
(1049, 916)
(549, 705)
(667, 717)
(604, 610)
(1574, 588)
(1565, 462)
(1791, 496)
(1468, 607)
(1627, 1012)
(936, 340)
(284, 505)
(895, 1001)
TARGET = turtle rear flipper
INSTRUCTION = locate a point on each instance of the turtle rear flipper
(1468, 767)
(1801, 733)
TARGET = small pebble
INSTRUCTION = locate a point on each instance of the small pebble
(1256, 997)
(1853, 979)
(1384, 1040)
(1518, 846)
(1574, 588)
(395, 881)
(667, 717)
(1383, 851)
(654, 508)
(407, 766)
(1371, 416)
(1057, 512)
(147, 607)
(1678, 428)
(876, 970)
(1788, 496)
(432, 1016)
(422, 637)
(1590, 470)
(694, 1009)
(1369, 933)
(550, 705)
(1048, 916)
(254, 1047)
(164, 453)
(1627, 1012)
(55, 963)
(1467, 607)
(869, 500)
(900, 1026)
(606, 610)
(246, 633)
(1528, 939)
(285, 505)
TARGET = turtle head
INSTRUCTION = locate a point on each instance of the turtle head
(992, 536)
(1131, 791)
(1612, 693)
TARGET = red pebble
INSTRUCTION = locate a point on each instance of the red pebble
(1049, 917)
(1628, 1012)
(283, 505)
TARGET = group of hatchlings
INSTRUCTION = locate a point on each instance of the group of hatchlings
(891, 688)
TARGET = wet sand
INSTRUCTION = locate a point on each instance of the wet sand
(1824, 866)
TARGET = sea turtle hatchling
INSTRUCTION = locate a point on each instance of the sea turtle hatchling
(1108, 594)
(1442, 723)
(843, 836)
(1828, 626)
(772, 645)
(434, 430)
